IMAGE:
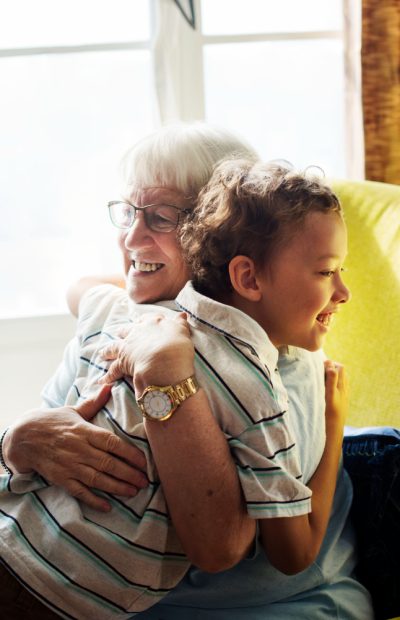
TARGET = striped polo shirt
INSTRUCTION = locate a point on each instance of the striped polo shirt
(85, 564)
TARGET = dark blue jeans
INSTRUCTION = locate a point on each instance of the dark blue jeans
(372, 459)
(17, 603)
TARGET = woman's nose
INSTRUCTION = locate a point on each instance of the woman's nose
(139, 234)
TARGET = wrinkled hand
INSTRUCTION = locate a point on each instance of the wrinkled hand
(61, 445)
(336, 393)
(155, 350)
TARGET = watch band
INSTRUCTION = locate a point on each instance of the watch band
(181, 391)
(175, 395)
(2, 461)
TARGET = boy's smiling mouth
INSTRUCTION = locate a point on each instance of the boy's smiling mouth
(325, 318)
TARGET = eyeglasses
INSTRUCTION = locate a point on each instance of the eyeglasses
(159, 218)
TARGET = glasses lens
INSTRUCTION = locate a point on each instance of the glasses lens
(161, 218)
(122, 214)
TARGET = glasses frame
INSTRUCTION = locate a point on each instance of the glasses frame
(111, 203)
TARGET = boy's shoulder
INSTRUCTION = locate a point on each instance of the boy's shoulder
(290, 355)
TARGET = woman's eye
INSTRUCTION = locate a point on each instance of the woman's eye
(160, 218)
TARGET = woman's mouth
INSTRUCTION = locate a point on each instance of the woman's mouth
(142, 266)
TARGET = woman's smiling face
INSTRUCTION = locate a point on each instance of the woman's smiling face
(153, 263)
(302, 284)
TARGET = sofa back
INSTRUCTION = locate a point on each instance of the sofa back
(366, 334)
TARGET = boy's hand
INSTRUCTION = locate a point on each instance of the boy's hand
(336, 393)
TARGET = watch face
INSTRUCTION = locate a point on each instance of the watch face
(157, 404)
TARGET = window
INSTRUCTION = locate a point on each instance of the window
(77, 91)
(274, 71)
(76, 94)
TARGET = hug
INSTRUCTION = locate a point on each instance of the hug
(187, 458)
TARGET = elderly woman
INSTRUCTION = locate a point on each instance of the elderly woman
(194, 495)
(168, 168)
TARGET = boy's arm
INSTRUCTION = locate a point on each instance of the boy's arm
(78, 288)
(293, 543)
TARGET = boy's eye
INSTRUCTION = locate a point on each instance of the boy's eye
(330, 272)
(327, 274)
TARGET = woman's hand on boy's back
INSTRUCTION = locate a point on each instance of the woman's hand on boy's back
(157, 350)
(63, 447)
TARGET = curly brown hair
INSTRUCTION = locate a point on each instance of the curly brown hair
(247, 209)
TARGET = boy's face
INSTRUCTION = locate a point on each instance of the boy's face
(302, 285)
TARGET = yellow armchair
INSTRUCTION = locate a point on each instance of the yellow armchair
(366, 337)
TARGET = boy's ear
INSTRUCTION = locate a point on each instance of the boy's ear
(242, 273)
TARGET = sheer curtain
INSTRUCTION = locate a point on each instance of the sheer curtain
(176, 60)
(179, 74)
(355, 163)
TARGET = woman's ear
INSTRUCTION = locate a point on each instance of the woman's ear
(242, 273)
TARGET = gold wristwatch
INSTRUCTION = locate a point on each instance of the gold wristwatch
(159, 403)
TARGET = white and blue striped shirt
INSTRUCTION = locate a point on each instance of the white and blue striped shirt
(85, 564)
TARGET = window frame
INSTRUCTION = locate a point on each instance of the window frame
(189, 89)
(35, 343)
(187, 102)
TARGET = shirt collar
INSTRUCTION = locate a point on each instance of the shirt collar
(228, 321)
(134, 307)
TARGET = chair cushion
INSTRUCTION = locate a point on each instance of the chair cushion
(366, 334)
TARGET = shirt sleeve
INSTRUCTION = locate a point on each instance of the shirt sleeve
(251, 406)
(54, 393)
(269, 473)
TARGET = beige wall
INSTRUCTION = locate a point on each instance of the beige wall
(30, 350)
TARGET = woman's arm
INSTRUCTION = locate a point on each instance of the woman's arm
(201, 485)
(193, 459)
(293, 543)
(63, 447)
(79, 288)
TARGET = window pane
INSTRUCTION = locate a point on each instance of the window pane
(65, 122)
(39, 23)
(285, 97)
(227, 17)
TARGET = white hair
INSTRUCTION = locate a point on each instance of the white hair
(182, 156)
